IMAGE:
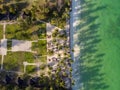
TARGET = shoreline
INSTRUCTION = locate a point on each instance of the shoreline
(101, 45)
(73, 37)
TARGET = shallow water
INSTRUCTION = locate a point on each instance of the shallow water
(98, 37)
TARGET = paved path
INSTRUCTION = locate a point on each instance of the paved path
(33, 64)
(21, 45)
(38, 40)
(42, 39)
(4, 28)
(2, 62)
(10, 22)
(3, 47)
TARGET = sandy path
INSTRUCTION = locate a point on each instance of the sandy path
(2, 62)
(3, 45)
(4, 27)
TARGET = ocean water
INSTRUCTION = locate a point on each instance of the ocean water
(96, 40)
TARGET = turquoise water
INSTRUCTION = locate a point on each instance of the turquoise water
(99, 35)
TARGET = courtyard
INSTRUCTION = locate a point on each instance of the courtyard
(18, 46)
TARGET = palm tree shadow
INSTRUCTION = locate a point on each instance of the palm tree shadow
(87, 66)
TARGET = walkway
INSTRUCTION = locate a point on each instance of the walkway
(17, 45)
(4, 28)
(3, 45)
(4, 22)
(21, 45)
(33, 64)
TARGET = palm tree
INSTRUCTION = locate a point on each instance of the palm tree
(55, 13)
(6, 11)
(46, 10)
(50, 52)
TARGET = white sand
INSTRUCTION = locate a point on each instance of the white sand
(3, 47)
(20, 45)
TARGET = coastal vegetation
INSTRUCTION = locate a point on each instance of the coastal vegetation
(10, 9)
(55, 12)
(26, 82)
(34, 32)
(28, 23)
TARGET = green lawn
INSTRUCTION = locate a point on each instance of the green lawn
(43, 65)
(1, 31)
(40, 47)
(35, 32)
(12, 31)
(14, 60)
(30, 69)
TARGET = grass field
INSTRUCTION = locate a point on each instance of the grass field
(33, 33)
(14, 60)
(31, 69)
(99, 32)
(12, 31)
(40, 47)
